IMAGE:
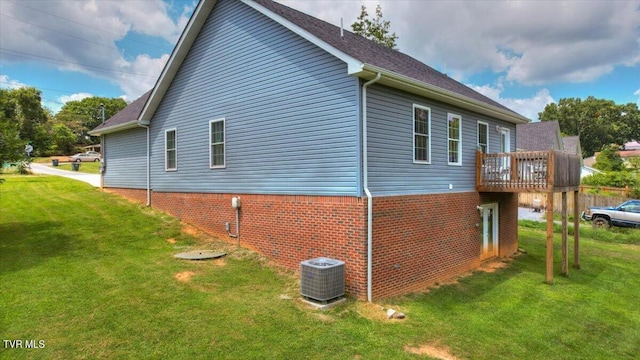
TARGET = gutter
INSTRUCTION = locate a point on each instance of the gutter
(406, 83)
(115, 128)
(365, 180)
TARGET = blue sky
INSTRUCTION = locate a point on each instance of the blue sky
(524, 54)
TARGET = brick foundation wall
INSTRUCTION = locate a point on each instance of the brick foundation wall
(286, 228)
(415, 242)
(137, 195)
(422, 239)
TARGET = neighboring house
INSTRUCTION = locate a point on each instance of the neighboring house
(587, 171)
(632, 145)
(545, 135)
(539, 136)
(338, 147)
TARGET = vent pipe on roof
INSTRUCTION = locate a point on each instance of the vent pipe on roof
(341, 29)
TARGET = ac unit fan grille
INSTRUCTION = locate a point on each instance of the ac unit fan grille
(322, 279)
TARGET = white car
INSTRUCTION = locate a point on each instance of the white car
(84, 157)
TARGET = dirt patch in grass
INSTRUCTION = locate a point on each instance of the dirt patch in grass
(171, 241)
(493, 266)
(373, 311)
(184, 276)
(219, 262)
(432, 350)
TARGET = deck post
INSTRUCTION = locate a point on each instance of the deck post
(565, 243)
(550, 238)
(576, 230)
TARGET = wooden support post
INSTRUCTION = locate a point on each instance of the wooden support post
(550, 238)
(576, 230)
(565, 243)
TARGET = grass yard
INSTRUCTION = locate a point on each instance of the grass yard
(93, 276)
(85, 167)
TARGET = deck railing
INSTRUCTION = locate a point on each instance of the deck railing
(541, 171)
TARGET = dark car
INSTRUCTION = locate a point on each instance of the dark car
(626, 214)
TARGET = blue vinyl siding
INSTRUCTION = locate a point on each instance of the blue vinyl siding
(391, 167)
(290, 110)
(126, 156)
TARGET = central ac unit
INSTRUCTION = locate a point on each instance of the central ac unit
(322, 279)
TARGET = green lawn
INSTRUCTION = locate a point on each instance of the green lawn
(93, 276)
(86, 167)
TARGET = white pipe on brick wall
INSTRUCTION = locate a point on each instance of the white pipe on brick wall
(365, 181)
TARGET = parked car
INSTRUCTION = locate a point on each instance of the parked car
(84, 157)
(626, 214)
(94, 153)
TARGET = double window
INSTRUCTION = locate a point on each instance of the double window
(454, 131)
(421, 134)
(171, 150)
(216, 144)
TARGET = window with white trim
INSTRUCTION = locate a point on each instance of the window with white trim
(421, 134)
(217, 144)
(171, 150)
(454, 131)
(483, 137)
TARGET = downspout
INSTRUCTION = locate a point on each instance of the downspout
(148, 165)
(365, 181)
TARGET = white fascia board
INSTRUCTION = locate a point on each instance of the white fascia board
(354, 66)
(178, 55)
(412, 85)
(112, 129)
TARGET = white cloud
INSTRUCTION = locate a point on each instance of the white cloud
(530, 42)
(82, 36)
(148, 69)
(528, 107)
(7, 83)
(74, 97)
(637, 93)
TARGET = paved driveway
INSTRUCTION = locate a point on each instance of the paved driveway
(93, 179)
(527, 214)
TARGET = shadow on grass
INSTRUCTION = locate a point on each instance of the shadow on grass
(28, 244)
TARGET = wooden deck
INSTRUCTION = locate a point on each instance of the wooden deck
(537, 171)
(531, 171)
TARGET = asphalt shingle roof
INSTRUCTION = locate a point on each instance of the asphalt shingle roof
(571, 144)
(538, 136)
(130, 113)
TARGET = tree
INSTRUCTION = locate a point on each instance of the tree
(609, 159)
(23, 108)
(11, 145)
(63, 139)
(634, 161)
(598, 122)
(83, 115)
(375, 29)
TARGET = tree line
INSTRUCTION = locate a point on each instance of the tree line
(24, 121)
(599, 122)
